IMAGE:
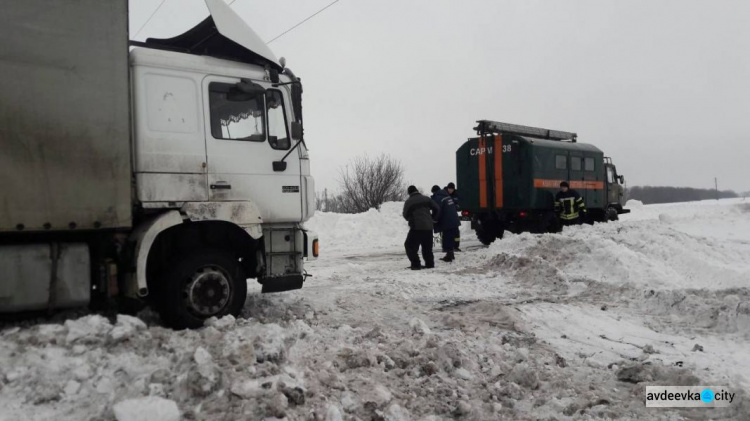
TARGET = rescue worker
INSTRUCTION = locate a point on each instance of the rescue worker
(569, 205)
(420, 211)
(448, 221)
(451, 189)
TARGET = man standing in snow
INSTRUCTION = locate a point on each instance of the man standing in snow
(451, 189)
(420, 211)
(448, 222)
(569, 205)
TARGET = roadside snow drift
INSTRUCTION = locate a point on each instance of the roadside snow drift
(563, 326)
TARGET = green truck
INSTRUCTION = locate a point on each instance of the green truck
(508, 177)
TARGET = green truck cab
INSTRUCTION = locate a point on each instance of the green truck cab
(508, 177)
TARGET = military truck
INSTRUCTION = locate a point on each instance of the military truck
(165, 172)
(508, 177)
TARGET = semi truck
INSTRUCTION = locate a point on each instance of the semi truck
(164, 172)
(509, 174)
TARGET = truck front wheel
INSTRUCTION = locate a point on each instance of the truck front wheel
(612, 214)
(200, 285)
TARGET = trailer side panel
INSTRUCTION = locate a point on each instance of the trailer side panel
(64, 115)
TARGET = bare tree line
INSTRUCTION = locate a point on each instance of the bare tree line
(665, 194)
(365, 183)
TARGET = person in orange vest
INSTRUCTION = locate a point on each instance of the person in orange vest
(569, 205)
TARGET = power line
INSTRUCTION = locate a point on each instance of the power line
(149, 18)
(305, 20)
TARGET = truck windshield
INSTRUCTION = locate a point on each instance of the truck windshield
(235, 115)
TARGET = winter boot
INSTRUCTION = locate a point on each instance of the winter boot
(448, 257)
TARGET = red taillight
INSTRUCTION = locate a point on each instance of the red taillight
(465, 213)
(523, 214)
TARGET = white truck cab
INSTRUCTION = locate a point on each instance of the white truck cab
(212, 151)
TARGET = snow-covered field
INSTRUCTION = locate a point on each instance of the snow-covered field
(563, 326)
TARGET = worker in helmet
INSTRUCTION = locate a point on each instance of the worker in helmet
(569, 205)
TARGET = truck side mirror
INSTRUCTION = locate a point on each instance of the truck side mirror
(622, 179)
(296, 130)
(279, 166)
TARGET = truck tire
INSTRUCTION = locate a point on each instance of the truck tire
(612, 214)
(487, 233)
(200, 285)
(485, 237)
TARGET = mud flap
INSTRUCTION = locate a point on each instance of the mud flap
(282, 283)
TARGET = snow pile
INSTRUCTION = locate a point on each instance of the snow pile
(372, 230)
(562, 326)
(633, 204)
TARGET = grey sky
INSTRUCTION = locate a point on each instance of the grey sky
(661, 86)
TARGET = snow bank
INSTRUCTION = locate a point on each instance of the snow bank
(374, 230)
(371, 230)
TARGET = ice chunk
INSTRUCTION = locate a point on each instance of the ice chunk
(150, 408)
(87, 329)
(223, 323)
(419, 326)
(333, 413)
(126, 327)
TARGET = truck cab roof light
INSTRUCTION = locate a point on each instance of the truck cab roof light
(489, 126)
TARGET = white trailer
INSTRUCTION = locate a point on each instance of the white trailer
(168, 171)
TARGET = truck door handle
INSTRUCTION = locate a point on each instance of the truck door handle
(221, 186)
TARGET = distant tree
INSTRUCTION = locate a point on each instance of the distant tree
(329, 202)
(367, 183)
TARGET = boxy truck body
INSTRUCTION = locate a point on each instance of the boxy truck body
(167, 173)
(509, 175)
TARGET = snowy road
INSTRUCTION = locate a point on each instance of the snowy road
(569, 326)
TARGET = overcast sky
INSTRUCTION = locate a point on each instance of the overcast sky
(661, 86)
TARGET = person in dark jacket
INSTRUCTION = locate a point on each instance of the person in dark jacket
(420, 211)
(569, 205)
(451, 189)
(448, 222)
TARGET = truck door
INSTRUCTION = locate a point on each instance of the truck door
(576, 174)
(244, 135)
(614, 190)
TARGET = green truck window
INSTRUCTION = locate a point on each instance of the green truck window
(589, 164)
(575, 163)
(561, 162)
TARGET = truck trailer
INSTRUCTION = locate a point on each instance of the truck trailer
(508, 177)
(164, 172)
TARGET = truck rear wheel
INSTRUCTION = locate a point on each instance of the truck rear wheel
(488, 232)
(201, 285)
